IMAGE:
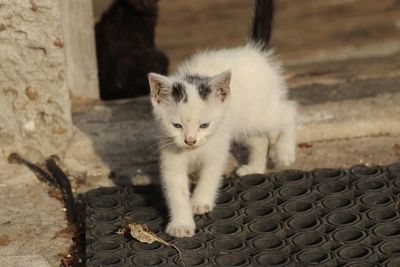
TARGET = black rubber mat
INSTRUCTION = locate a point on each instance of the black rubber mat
(326, 217)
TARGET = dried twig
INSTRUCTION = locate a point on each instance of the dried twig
(142, 233)
(65, 187)
(39, 172)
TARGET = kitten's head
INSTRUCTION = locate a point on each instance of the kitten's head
(190, 109)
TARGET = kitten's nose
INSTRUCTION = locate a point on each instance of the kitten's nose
(190, 141)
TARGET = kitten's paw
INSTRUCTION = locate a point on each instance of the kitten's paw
(247, 169)
(201, 206)
(287, 156)
(180, 229)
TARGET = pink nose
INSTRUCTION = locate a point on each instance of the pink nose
(190, 142)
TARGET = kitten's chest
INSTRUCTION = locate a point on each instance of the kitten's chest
(195, 160)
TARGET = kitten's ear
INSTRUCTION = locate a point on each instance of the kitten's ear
(160, 87)
(220, 85)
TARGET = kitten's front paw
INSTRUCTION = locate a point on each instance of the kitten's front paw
(246, 169)
(287, 156)
(201, 208)
(180, 229)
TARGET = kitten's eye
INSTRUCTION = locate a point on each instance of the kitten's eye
(177, 125)
(204, 125)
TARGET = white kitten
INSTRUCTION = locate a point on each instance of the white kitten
(216, 97)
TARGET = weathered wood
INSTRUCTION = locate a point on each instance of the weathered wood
(305, 31)
(80, 49)
(345, 71)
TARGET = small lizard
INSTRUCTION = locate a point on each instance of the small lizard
(143, 234)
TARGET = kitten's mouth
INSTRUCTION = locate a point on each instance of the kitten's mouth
(191, 147)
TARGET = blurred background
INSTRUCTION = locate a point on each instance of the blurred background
(308, 35)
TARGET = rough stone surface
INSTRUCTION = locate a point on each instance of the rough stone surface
(24, 261)
(30, 220)
(35, 117)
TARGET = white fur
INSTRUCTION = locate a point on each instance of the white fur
(256, 106)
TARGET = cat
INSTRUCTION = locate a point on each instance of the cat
(215, 98)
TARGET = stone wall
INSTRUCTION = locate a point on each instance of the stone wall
(35, 116)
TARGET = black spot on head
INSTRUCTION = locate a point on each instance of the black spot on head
(179, 93)
(204, 90)
(202, 84)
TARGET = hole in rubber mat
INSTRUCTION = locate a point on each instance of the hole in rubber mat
(105, 217)
(136, 245)
(104, 203)
(264, 226)
(342, 218)
(293, 191)
(382, 214)
(392, 262)
(228, 244)
(308, 239)
(303, 222)
(327, 173)
(272, 258)
(188, 243)
(372, 185)
(225, 228)
(233, 259)
(107, 246)
(224, 199)
(297, 206)
(387, 230)
(252, 180)
(332, 187)
(109, 231)
(391, 247)
(336, 203)
(269, 242)
(376, 199)
(260, 210)
(255, 195)
(191, 260)
(138, 203)
(364, 171)
(222, 213)
(354, 252)
(143, 216)
(107, 192)
(148, 260)
(313, 256)
(348, 235)
(106, 260)
(290, 176)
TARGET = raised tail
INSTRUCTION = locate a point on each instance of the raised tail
(261, 26)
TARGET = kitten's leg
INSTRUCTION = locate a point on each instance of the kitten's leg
(258, 150)
(205, 193)
(176, 189)
(286, 144)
